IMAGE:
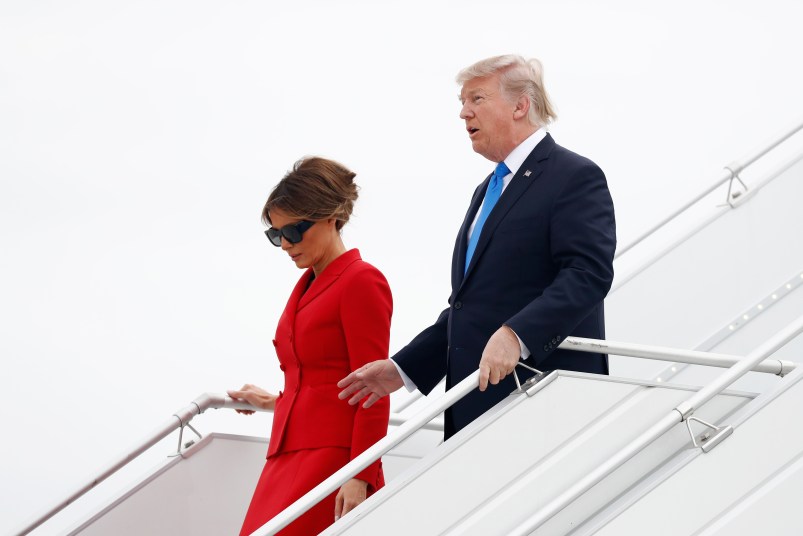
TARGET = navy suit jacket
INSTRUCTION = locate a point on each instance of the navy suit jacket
(542, 266)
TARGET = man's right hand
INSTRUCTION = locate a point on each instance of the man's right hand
(374, 380)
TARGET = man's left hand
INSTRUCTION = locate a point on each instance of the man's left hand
(499, 357)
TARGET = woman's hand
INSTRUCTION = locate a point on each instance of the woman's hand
(256, 396)
(350, 495)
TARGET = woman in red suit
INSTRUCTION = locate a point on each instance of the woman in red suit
(336, 320)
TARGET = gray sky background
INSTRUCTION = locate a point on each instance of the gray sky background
(138, 142)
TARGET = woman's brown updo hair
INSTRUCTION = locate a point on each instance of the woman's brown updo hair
(315, 189)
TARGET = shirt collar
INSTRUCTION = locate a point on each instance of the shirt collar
(517, 157)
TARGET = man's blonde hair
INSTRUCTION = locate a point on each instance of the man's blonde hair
(518, 76)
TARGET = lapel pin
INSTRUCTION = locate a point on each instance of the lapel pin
(527, 173)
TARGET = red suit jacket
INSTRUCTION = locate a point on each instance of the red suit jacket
(340, 323)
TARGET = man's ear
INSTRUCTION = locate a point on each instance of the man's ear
(522, 107)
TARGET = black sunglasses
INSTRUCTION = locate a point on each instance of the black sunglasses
(292, 233)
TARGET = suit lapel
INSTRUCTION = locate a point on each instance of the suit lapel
(288, 319)
(527, 174)
(326, 278)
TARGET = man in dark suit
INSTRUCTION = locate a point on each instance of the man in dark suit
(532, 263)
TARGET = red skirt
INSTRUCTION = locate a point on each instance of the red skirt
(286, 478)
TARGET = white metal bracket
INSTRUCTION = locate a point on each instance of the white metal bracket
(730, 199)
(524, 387)
(189, 443)
(708, 439)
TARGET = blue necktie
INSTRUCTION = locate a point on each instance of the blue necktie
(491, 197)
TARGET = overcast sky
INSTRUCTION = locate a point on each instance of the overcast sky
(139, 141)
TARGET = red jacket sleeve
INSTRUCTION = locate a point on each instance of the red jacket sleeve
(366, 309)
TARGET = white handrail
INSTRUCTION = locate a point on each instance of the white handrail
(404, 404)
(728, 173)
(178, 420)
(181, 418)
(436, 425)
(771, 366)
(219, 401)
(316, 494)
(720, 211)
(676, 416)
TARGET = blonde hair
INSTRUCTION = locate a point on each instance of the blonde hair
(518, 76)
